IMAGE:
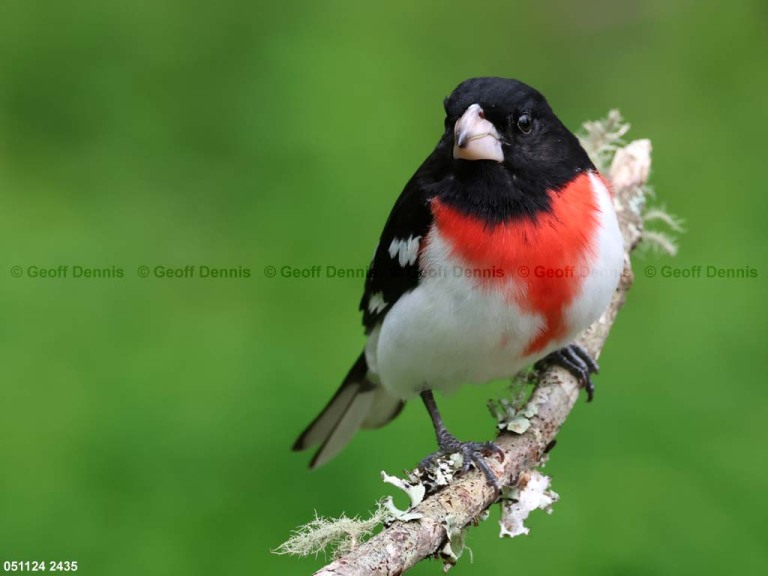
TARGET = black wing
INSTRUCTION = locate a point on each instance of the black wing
(394, 269)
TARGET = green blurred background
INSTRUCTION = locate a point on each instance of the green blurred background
(145, 424)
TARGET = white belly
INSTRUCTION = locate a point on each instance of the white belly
(450, 330)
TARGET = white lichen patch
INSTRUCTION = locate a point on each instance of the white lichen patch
(340, 535)
(397, 514)
(437, 473)
(511, 420)
(514, 414)
(455, 543)
(414, 489)
(601, 138)
(531, 493)
(628, 167)
(662, 241)
(631, 165)
(660, 214)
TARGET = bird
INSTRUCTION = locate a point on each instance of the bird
(502, 247)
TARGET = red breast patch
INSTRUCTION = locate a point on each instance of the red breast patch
(546, 257)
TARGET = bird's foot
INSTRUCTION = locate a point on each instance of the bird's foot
(578, 362)
(471, 452)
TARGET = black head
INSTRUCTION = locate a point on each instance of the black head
(508, 150)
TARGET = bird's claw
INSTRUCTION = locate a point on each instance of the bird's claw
(472, 453)
(578, 362)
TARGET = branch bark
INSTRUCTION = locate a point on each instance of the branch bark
(403, 544)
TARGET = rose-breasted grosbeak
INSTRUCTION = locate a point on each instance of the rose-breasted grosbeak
(500, 250)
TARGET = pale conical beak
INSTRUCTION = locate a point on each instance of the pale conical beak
(475, 138)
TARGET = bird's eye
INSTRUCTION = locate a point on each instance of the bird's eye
(525, 124)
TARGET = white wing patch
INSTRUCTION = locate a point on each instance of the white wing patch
(406, 251)
(376, 303)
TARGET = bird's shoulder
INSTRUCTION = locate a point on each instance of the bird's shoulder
(394, 270)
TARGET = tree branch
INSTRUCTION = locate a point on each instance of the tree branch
(404, 543)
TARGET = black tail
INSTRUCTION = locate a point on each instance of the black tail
(359, 402)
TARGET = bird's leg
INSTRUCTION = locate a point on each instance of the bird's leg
(472, 452)
(578, 362)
